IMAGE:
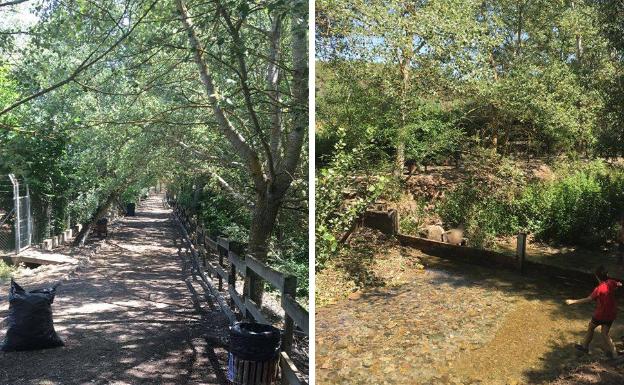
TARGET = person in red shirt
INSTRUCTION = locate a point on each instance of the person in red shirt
(605, 313)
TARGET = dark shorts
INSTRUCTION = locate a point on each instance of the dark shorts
(601, 322)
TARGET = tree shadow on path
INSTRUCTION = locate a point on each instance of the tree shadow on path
(126, 318)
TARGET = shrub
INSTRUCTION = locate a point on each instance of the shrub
(335, 215)
(580, 207)
(5, 270)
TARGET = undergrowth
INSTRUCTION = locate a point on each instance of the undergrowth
(5, 270)
(579, 206)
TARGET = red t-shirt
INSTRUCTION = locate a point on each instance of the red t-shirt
(604, 295)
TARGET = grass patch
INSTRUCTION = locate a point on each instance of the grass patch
(5, 270)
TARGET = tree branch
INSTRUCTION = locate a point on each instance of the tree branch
(242, 65)
(300, 96)
(229, 189)
(14, 2)
(224, 124)
(83, 66)
(273, 78)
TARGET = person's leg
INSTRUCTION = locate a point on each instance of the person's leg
(604, 330)
(590, 335)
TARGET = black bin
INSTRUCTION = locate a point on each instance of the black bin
(130, 209)
(101, 227)
(254, 354)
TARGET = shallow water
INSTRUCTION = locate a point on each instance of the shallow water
(455, 324)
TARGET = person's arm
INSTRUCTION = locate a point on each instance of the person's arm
(577, 301)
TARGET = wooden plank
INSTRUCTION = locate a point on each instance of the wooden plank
(238, 301)
(273, 276)
(289, 371)
(194, 296)
(255, 311)
(211, 268)
(42, 258)
(223, 242)
(296, 312)
(205, 282)
(220, 272)
(212, 244)
(290, 288)
(238, 262)
(207, 286)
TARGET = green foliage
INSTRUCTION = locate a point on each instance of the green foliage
(5, 270)
(413, 220)
(334, 215)
(579, 207)
(554, 87)
(432, 135)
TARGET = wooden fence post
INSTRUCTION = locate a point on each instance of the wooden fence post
(290, 288)
(232, 283)
(221, 251)
(201, 246)
(520, 252)
(395, 222)
(250, 279)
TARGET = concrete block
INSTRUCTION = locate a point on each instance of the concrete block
(55, 241)
(47, 244)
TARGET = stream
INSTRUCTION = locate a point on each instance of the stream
(455, 324)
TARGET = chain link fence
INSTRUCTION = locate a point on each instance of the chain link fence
(7, 216)
(16, 221)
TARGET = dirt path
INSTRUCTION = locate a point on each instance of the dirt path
(126, 317)
(454, 324)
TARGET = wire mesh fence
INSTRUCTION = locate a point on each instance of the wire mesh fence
(7, 216)
(16, 222)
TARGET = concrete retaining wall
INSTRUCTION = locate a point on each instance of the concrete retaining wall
(385, 221)
(490, 258)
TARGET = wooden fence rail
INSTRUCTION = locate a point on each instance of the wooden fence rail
(214, 257)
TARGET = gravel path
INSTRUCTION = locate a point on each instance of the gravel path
(126, 316)
(454, 324)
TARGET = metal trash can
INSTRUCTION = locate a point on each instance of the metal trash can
(101, 227)
(254, 354)
(130, 207)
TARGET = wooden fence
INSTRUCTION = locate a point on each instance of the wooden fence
(490, 258)
(216, 258)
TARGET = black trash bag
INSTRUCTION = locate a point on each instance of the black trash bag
(255, 342)
(30, 320)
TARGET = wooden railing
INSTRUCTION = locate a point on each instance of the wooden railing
(214, 258)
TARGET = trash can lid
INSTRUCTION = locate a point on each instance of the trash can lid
(254, 329)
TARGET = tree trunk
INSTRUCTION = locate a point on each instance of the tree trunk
(400, 155)
(400, 151)
(99, 213)
(519, 31)
(579, 40)
(199, 187)
(262, 222)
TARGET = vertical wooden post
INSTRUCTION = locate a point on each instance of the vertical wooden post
(232, 282)
(201, 244)
(205, 251)
(222, 251)
(250, 280)
(520, 252)
(290, 288)
(395, 222)
(189, 257)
